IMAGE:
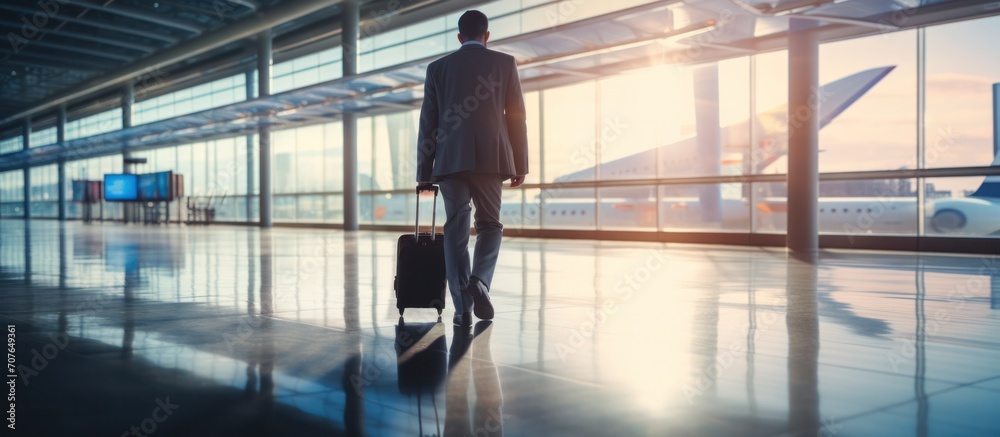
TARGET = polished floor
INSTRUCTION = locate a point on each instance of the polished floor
(235, 331)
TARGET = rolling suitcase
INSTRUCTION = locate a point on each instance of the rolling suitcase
(420, 272)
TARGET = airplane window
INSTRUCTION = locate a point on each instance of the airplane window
(822, 210)
(845, 210)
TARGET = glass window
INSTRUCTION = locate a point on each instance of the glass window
(309, 169)
(878, 131)
(185, 167)
(395, 150)
(334, 212)
(570, 133)
(703, 207)
(568, 208)
(199, 169)
(240, 165)
(96, 124)
(770, 142)
(226, 178)
(430, 27)
(283, 161)
(44, 191)
(333, 156)
(12, 194)
(770, 208)
(310, 208)
(217, 93)
(366, 164)
(659, 137)
(868, 207)
(960, 207)
(283, 208)
(12, 144)
(43, 137)
(960, 80)
(534, 122)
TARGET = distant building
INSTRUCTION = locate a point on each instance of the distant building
(930, 192)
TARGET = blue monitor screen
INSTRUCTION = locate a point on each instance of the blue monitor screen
(147, 187)
(119, 187)
(163, 191)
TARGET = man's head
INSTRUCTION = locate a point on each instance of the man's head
(473, 26)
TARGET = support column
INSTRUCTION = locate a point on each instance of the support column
(249, 147)
(128, 99)
(60, 139)
(264, 131)
(706, 109)
(26, 144)
(803, 138)
(349, 38)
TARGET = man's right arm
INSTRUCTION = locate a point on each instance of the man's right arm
(517, 129)
(427, 138)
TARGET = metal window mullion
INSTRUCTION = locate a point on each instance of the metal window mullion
(541, 158)
(598, 143)
(748, 167)
(921, 126)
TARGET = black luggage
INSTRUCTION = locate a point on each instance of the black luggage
(420, 272)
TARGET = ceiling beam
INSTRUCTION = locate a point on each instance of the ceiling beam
(84, 36)
(45, 64)
(249, 4)
(93, 23)
(83, 50)
(55, 59)
(137, 14)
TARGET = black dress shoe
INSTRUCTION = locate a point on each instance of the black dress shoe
(483, 308)
(464, 319)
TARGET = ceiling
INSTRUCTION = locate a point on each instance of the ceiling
(78, 41)
(71, 41)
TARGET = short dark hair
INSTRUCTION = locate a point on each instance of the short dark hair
(473, 25)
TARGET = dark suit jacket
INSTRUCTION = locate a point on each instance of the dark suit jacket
(472, 118)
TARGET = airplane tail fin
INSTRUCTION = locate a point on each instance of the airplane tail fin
(834, 98)
(837, 96)
(991, 185)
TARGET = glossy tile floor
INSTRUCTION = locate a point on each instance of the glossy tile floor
(234, 331)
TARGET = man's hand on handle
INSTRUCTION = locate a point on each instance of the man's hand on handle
(516, 181)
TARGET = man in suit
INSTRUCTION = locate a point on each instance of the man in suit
(472, 138)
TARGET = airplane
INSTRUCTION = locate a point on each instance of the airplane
(683, 206)
(976, 214)
(727, 206)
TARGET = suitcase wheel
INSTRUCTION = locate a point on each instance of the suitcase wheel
(401, 312)
(439, 312)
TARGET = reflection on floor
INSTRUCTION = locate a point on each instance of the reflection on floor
(234, 331)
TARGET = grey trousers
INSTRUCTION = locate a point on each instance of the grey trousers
(457, 191)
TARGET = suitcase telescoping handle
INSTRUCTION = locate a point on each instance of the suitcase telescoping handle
(416, 227)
